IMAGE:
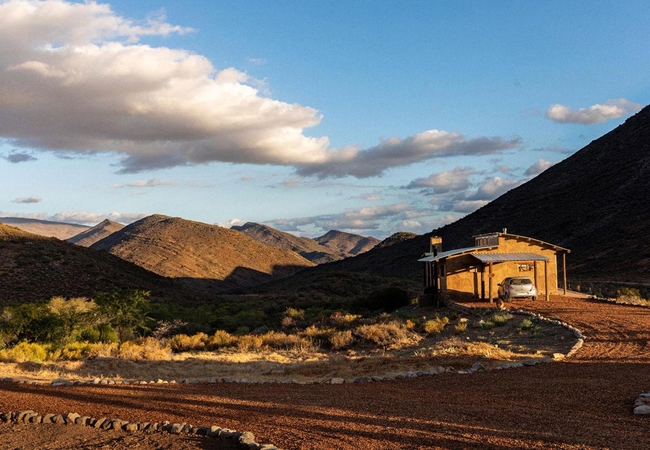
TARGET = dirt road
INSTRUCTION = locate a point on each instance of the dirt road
(584, 402)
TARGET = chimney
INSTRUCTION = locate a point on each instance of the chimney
(505, 231)
(435, 245)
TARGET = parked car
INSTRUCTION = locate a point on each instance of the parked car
(517, 287)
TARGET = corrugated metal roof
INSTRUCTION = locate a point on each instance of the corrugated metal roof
(526, 238)
(459, 251)
(503, 257)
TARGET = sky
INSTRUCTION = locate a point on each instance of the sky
(370, 117)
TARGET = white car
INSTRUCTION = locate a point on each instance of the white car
(517, 287)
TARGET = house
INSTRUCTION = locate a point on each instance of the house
(474, 272)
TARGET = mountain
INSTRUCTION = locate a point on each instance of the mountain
(35, 268)
(45, 228)
(594, 203)
(333, 246)
(208, 257)
(306, 247)
(88, 237)
(346, 243)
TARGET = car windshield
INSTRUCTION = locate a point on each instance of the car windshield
(520, 281)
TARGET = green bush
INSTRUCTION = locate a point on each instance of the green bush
(435, 326)
(501, 318)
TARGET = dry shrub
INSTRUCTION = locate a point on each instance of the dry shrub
(25, 351)
(144, 349)
(341, 339)
(435, 326)
(315, 333)
(250, 342)
(341, 320)
(391, 335)
(220, 339)
(184, 343)
(282, 341)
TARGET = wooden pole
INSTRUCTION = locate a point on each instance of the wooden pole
(546, 280)
(490, 276)
(564, 269)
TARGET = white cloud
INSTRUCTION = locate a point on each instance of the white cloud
(443, 182)
(540, 166)
(230, 223)
(611, 109)
(76, 79)
(494, 187)
(153, 182)
(32, 199)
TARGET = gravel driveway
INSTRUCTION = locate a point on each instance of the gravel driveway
(583, 402)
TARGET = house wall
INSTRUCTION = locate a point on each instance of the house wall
(464, 272)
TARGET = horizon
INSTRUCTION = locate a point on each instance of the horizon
(303, 117)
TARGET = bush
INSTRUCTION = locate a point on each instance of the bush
(250, 342)
(220, 339)
(501, 318)
(391, 335)
(387, 299)
(341, 339)
(435, 326)
(460, 327)
(25, 351)
(185, 343)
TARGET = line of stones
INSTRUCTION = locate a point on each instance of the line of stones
(245, 440)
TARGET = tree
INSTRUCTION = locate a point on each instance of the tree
(126, 311)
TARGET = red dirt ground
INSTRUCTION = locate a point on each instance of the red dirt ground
(581, 403)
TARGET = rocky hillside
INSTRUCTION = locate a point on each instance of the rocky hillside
(205, 256)
(45, 228)
(346, 244)
(97, 233)
(333, 246)
(595, 203)
(35, 268)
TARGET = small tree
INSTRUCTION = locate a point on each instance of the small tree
(75, 315)
(126, 311)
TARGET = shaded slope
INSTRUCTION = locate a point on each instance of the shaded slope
(595, 203)
(59, 230)
(97, 233)
(206, 256)
(34, 268)
(306, 247)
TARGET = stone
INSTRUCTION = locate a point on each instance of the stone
(642, 410)
(530, 362)
(477, 366)
(71, 417)
(98, 423)
(131, 426)
(82, 420)
(59, 419)
(337, 381)
(214, 431)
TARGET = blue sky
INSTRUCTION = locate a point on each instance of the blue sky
(365, 116)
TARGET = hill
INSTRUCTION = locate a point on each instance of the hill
(59, 230)
(88, 237)
(35, 268)
(335, 244)
(205, 256)
(595, 203)
(346, 244)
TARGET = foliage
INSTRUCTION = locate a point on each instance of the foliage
(341, 339)
(126, 311)
(501, 318)
(435, 325)
(391, 335)
(387, 299)
(460, 327)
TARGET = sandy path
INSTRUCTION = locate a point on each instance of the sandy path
(585, 402)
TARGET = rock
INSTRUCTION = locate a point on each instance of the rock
(59, 419)
(98, 423)
(70, 418)
(82, 420)
(47, 418)
(215, 431)
(337, 381)
(477, 366)
(642, 410)
(177, 428)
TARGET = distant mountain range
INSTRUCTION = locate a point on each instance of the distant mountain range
(208, 257)
(45, 228)
(332, 246)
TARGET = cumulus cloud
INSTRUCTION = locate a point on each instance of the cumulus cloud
(75, 79)
(366, 218)
(540, 166)
(611, 109)
(153, 182)
(230, 223)
(395, 152)
(19, 157)
(443, 182)
(494, 187)
(32, 199)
